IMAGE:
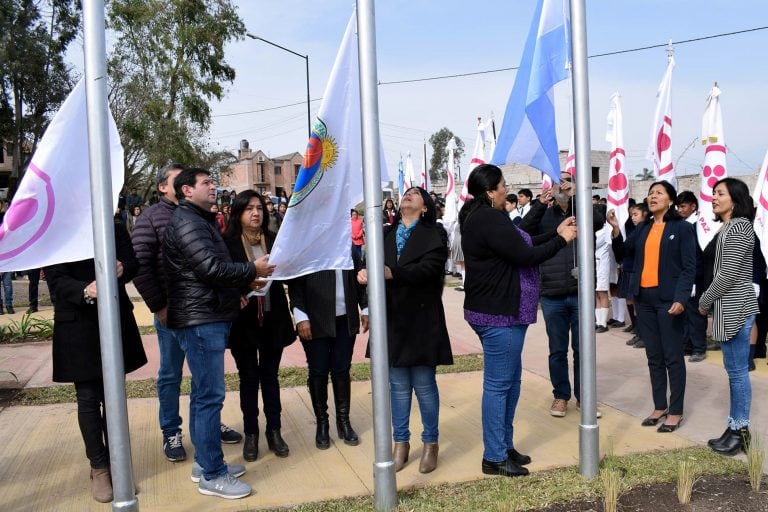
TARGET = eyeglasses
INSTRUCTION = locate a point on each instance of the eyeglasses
(569, 180)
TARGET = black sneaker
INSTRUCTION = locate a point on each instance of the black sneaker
(615, 324)
(11, 311)
(639, 344)
(629, 328)
(634, 339)
(601, 328)
(229, 436)
(173, 448)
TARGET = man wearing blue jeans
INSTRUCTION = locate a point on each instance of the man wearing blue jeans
(7, 279)
(203, 299)
(559, 291)
(150, 282)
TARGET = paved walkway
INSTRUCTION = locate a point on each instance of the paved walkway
(42, 464)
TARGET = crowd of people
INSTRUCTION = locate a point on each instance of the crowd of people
(200, 261)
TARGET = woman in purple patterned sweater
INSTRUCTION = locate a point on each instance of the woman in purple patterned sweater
(501, 300)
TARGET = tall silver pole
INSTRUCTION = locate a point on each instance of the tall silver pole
(104, 254)
(588, 429)
(384, 485)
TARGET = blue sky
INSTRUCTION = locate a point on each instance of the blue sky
(420, 38)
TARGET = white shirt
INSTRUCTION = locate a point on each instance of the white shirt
(340, 302)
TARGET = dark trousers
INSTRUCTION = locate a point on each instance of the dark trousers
(330, 355)
(34, 285)
(663, 337)
(257, 364)
(695, 328)
(91, 416)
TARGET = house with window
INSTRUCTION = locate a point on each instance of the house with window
(262, 173)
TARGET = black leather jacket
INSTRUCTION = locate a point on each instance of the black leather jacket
(203, 282)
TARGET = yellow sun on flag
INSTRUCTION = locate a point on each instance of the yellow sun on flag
(330, 153)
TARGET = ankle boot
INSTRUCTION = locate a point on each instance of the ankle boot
(101, 485)
(428, 458)
(251, 447)
(735, 441)
(719, 440)
(342, 390)
(318, 392)
(400, 455)
(276, 443)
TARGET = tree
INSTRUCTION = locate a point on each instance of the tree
(439, 141)
(167, 64)
(647, 174)
(34, 79)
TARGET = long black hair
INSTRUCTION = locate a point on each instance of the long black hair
(742, 201)
(429, 217)
(672, 213)
(483, 178)
(234, 228)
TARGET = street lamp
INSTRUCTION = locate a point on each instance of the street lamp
(306, 61)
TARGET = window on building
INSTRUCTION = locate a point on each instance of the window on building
(260, 173)
(595, 175)
(296, 169)
(278, 170)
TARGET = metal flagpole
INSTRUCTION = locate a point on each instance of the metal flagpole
(384, 485)
(588, 429)
(104, 255)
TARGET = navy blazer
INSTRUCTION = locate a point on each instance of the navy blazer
(677, 260)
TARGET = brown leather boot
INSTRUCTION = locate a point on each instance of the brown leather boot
(400, 455)
(428, 458)
(101, 485)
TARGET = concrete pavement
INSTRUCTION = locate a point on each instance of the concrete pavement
(43, 466)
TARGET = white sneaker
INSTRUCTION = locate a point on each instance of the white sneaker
(235, 470)
(226, 486)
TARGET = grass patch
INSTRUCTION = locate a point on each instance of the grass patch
(540, 489)
(28, 328)
(147, 329)
(289, 378)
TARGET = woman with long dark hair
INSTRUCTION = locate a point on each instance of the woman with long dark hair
(415, 252)
(665, 266)
(732, 298)
(389, 212)
(262, 329)
(501, 301)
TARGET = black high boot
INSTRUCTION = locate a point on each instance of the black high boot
(735, 441)
(318, 392)
(752, 349)
(342, 389)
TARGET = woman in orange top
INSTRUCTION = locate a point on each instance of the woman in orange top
(665, 266)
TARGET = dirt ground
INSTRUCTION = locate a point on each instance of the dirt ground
(710, 494)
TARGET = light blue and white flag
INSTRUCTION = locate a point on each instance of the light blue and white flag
(316, 232)
(528, 132)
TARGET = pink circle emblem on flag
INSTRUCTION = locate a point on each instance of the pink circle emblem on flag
(27, 210)
(714, 169)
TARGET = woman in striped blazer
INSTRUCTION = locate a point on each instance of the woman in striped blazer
(732, 298)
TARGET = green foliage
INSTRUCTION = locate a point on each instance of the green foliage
(168, 62)
(26, 329)
(34, 79)
(439, 141)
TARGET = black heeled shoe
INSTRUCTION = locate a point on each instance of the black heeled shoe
(517, 457)
(503, 468)
(720, 439)
(735, 441)
(276, 443)
(652, 422)
(666, 428)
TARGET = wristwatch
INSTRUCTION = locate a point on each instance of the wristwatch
(87, 298)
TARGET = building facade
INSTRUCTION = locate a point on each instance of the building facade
(257, 171)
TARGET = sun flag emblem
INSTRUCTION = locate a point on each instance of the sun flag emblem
(321, 154)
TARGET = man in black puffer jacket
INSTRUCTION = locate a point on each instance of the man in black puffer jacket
(203, 299)
(559, 290)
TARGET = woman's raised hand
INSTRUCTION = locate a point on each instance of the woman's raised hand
(611, 218)
(567, 229)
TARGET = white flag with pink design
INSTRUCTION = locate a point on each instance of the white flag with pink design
(660, 147)
(618, 182)
(714, 166)
(478, 157)
(49, 220)
(451, 213)
(761, 200)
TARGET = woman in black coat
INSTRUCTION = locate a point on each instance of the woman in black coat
(415, 252)
(261, 331)
(77, 353)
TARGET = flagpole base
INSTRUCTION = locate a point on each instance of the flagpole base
(385, 487)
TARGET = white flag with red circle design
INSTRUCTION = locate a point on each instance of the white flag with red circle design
(714, 166)
(660, 147)
(761, 200)
(618, 182)
(478, 157)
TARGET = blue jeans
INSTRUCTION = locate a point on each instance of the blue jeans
(7, 278)
(169, 378)
(502, 374)
(204, 347)
(402, 383)
(561, 318)
(736, 362)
